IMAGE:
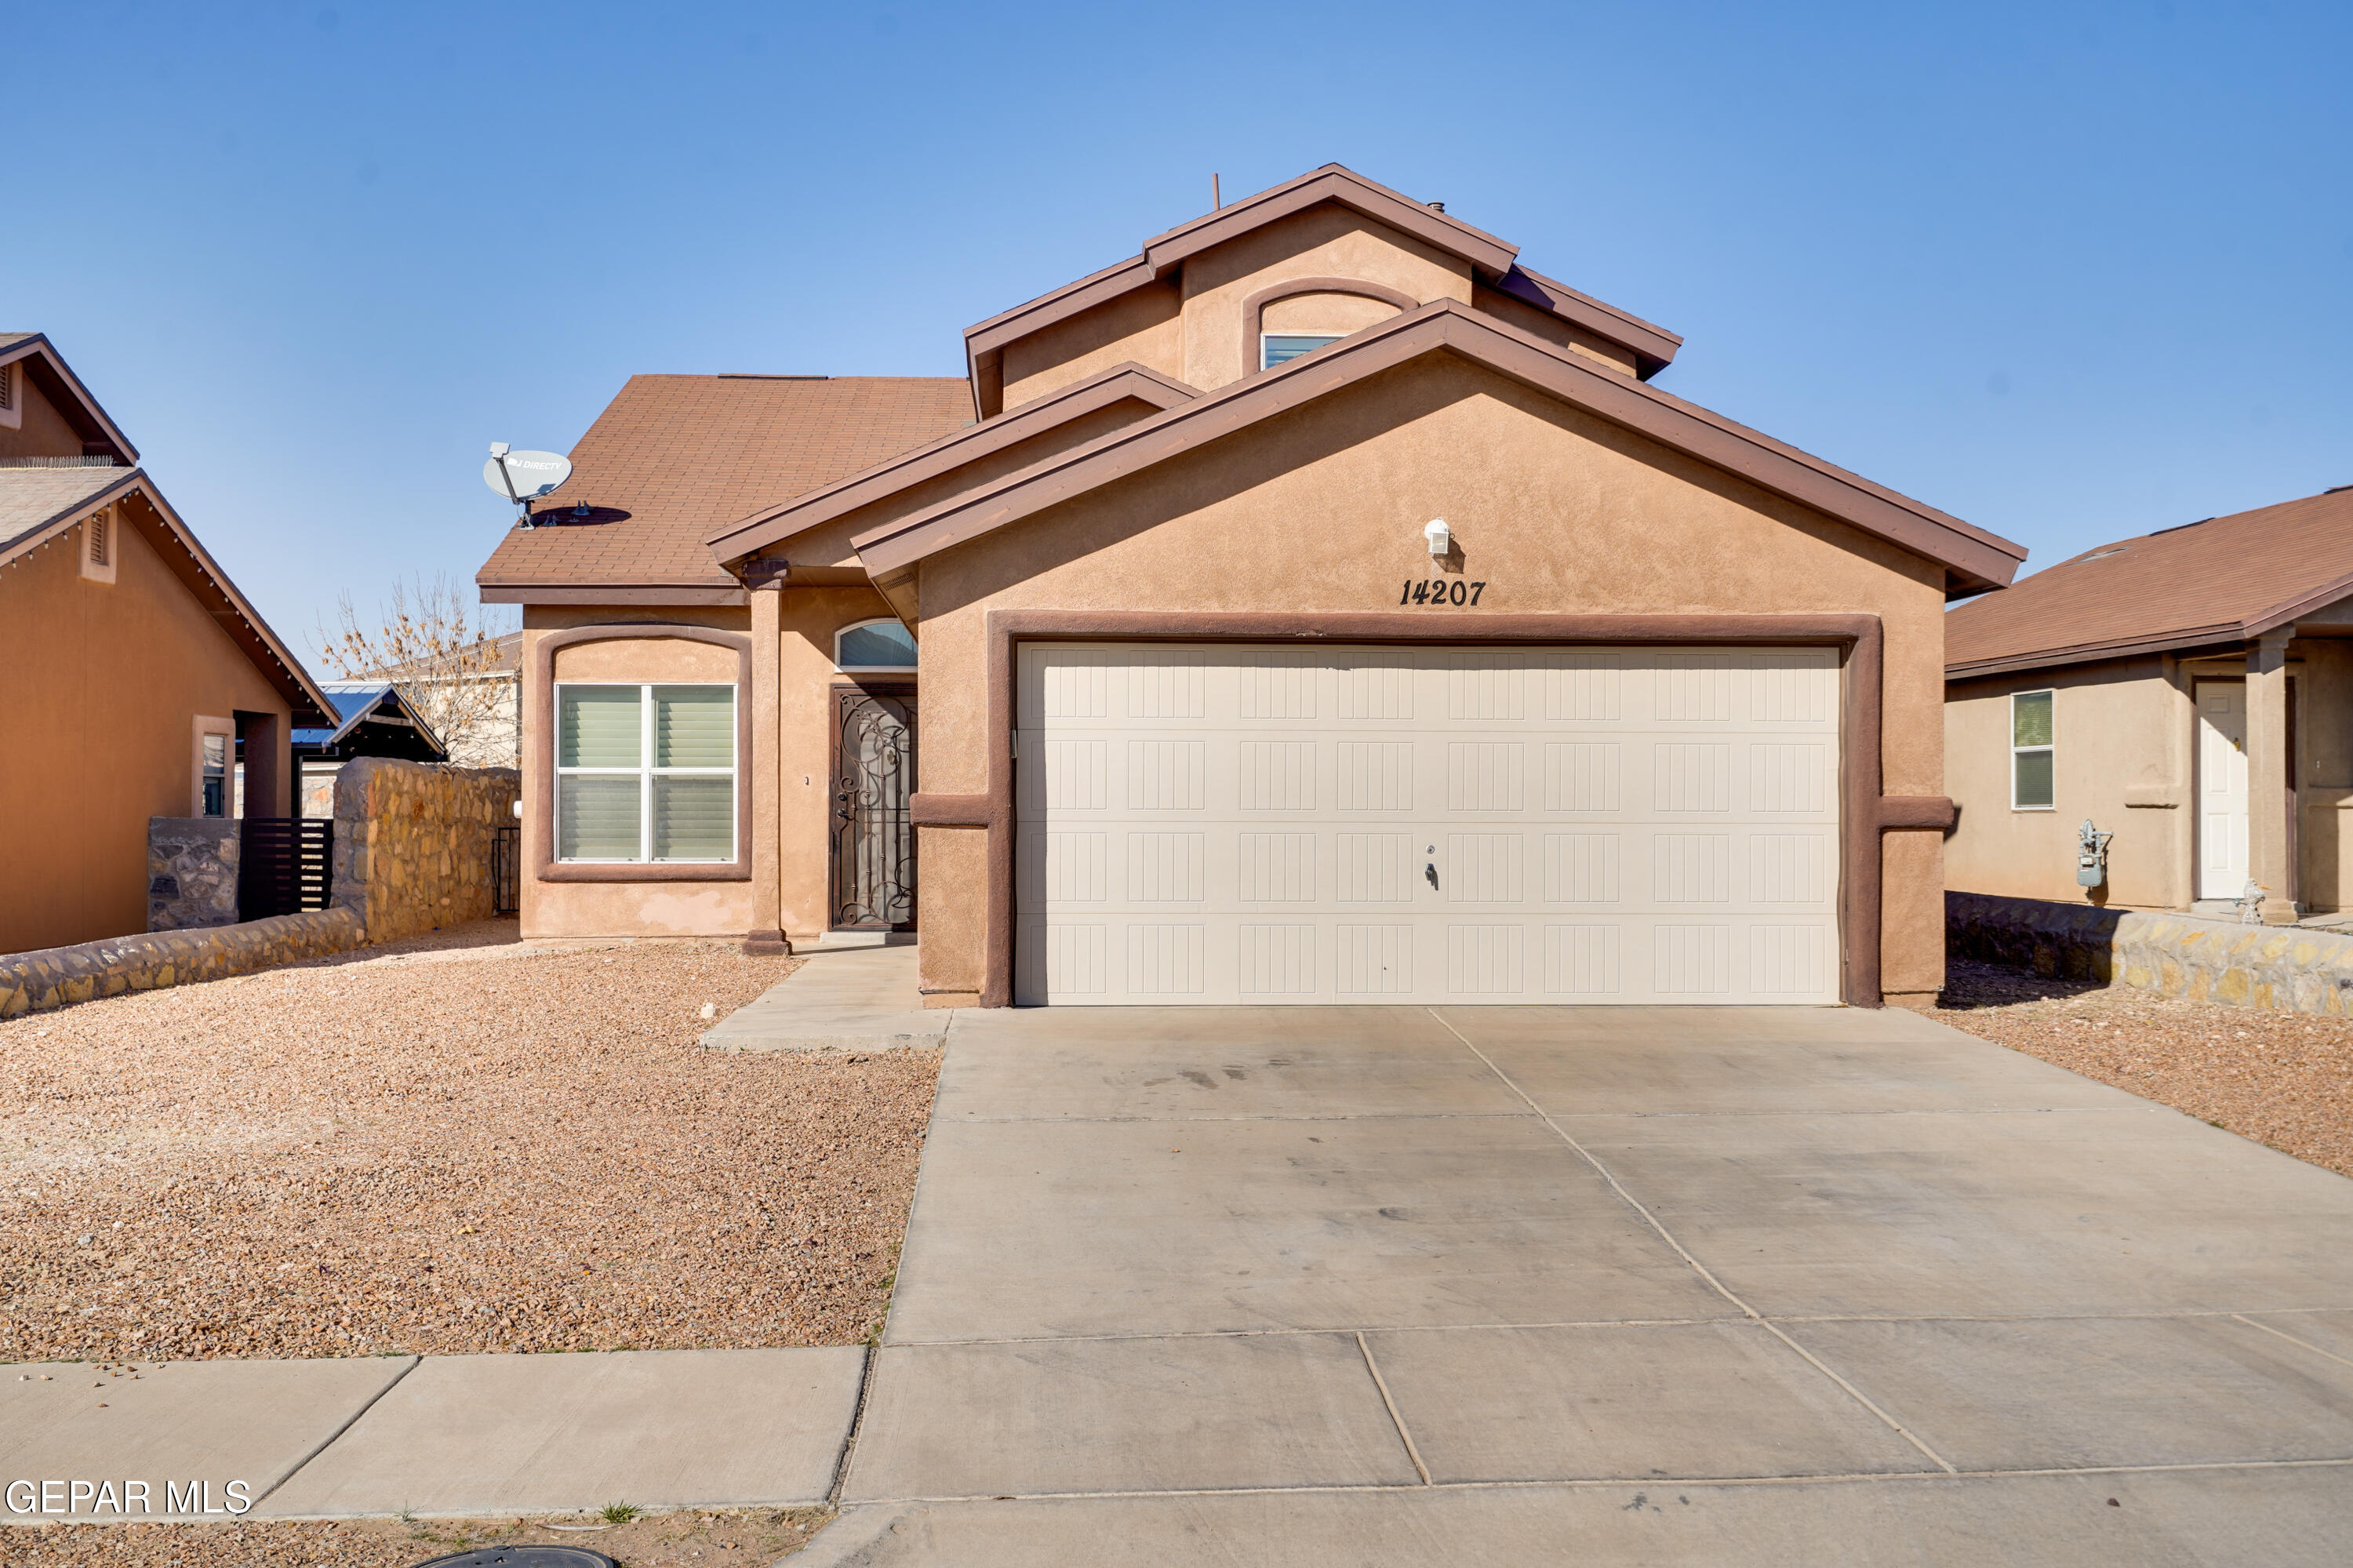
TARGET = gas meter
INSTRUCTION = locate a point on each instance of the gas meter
(2090, 856)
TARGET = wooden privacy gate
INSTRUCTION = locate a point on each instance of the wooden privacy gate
(285, 864)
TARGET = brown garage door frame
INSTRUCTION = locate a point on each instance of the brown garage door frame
(1864, 812)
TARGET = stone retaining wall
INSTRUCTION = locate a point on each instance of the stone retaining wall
(30, 982)
(414, 842)
(2285, 968)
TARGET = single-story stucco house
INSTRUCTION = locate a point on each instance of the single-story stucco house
(1319, 606)
(2190, 692)
(135, 679)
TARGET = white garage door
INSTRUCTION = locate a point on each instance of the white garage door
(1236, 823)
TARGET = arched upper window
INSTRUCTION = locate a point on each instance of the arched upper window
(874, 645)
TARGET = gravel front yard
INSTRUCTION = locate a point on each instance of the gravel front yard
(453, 1145)
(739, 1539)
(2285, 1079)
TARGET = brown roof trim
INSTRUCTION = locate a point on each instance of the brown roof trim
(1490, 258)
(195, 567)
(1332, 183)
(2219, 632)
(574, 593)
(1973, 558)
(2221, 635)
(1067, 301)
(2287, 610)
(1165, 251)
(953, 450)
(1654, 346)
(49, 371)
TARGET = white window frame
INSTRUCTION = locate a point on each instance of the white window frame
(1329, 339)
(646, 774)
(2050, 748)
(868, 669)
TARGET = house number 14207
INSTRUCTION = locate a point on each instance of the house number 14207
(1437, 591)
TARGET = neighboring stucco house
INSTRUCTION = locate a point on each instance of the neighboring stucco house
(134, 678)
(2190, 691)
(1318, 606)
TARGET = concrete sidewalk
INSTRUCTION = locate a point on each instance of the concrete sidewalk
(857, 998)
(449, 1436)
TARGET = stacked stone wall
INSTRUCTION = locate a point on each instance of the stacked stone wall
(191, 871)
(415, 842)
(2283, 968)
(414, 848)
(31, 983)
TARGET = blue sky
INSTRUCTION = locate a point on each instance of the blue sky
(2069, 271)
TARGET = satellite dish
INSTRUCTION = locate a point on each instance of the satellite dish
(524, 476)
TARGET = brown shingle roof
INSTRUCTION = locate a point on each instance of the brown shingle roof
(673, 456)
(2222, 580)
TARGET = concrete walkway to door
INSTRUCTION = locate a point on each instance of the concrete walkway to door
(1401, 1287)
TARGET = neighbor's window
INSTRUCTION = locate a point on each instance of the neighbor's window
(645, 773)
(216, 774)
(1281, 348)
(874, 645)
(2029, 751)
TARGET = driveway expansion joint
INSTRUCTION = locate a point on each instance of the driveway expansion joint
(1684, 1253)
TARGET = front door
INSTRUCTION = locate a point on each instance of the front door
(2222, 788)
(873, 841)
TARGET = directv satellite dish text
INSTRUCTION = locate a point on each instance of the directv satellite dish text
(525, 476)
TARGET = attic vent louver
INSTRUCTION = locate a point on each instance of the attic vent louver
(98, 541)
(7, 388)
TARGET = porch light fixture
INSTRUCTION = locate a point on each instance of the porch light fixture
(1440, 538)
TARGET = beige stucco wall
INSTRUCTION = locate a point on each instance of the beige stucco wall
(99, 684)
(2120, 756)
(1323, 509)
(1323, 312)
(1323, 242)
(2126, 755)
(794, 818)
(622, 909)
(2323, 668)
(808, 619)
(1141, 326)
(1195, 331)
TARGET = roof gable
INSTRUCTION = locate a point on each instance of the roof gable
(1491, 261)
(959, 449)
(1973, 558)
(47, 370)
(39, 505)
(2223, 579)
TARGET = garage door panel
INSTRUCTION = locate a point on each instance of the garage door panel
(1216, 824)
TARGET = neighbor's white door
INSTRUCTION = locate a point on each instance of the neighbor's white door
(1252, 824)
(2222, 788)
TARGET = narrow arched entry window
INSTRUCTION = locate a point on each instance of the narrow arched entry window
(878, 645)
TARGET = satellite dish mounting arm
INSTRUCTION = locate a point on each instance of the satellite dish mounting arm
(498, 451)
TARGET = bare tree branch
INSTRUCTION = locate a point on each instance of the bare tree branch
(442, 649)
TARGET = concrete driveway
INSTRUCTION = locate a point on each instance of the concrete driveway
(1396, 1286)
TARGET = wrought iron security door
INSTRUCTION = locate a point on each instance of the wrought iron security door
(873, 841)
